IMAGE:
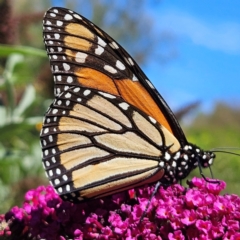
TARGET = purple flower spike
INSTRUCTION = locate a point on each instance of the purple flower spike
(175, 212)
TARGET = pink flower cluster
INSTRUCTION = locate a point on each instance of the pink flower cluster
(198, 212)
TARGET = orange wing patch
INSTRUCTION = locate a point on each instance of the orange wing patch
(132, 92)
(137, 95)
(91, 78)
(79, 30)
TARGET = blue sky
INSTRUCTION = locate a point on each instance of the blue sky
(208, 43)
(207, 67)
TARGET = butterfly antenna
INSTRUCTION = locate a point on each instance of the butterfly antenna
(223, 150)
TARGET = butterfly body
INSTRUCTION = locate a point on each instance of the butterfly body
(108, 128)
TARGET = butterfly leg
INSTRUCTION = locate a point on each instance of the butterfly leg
(150, 199)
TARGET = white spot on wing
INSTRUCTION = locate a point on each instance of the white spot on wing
(56, 69)
(99, 50)
(113, 45)
(86, 92)
(134, 78)
(149, 84)
(110, 69)
(59, 23)
(77, 16)
(64, 177)
(67, 188)
(107, 95)
(50, 137)
(101, 42)
(56, 181)
(167, 156)
(124, 105)
(66, 66)
(46, 130)
(58, 91)
(77, 89)
(161, 164)
(81, 57)
(120, 65)
(130, 61)
(69, 79)
(68, 95)
(54, 111)
(152, 119)
(56, 35)
(68, 17)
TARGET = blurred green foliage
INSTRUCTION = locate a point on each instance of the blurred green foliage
(220, 128)
(20, 114)
(26, 92)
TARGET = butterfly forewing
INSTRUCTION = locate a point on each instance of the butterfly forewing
(108, 129)
(88, 136)
(82, 54)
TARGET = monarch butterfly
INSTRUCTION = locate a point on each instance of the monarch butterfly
(108, 129)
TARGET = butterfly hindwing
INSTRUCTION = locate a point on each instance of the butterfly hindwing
(89, 135)
(108, 128)
(81, 54)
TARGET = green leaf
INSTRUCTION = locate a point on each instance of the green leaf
(27, 99)
(3, 115)
(6, 50)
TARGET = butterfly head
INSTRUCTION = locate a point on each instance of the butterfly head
(191, 157)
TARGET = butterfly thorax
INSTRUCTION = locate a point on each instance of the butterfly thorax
(187, 159)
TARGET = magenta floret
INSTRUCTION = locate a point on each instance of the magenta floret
(175, 212)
